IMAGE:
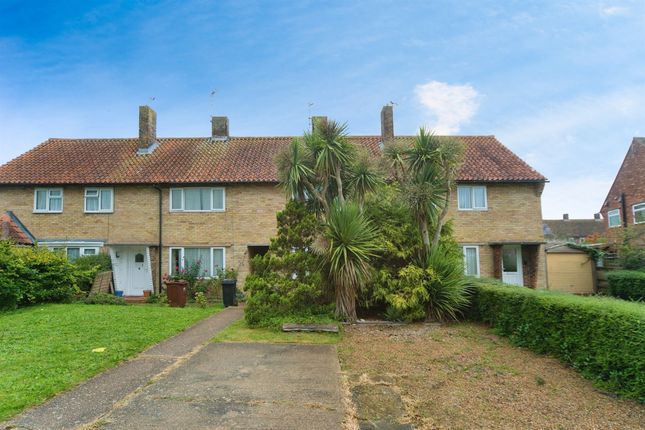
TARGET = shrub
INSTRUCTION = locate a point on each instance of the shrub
(286, 281)
(87, 266)
(10, 270)
(103, 299)
(211, 288)
(603, 338)
(627, 284)
(200, 299)
(157, 299)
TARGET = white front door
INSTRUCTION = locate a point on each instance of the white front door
(131, 268)
(512, 265)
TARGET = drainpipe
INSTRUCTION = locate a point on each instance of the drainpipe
(159, 252)
(623, 209)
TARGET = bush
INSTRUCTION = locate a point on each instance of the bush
(103, 299)
(286, 281)
(627, 284)
(88, 266)
(603, 338)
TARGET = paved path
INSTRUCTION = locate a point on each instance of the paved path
(187, 383)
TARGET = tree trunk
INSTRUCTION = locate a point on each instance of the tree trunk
(425, 234)
(440, 220)
(346, 304)
(339, 185)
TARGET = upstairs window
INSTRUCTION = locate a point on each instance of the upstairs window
(613, 218)
(639, 213)
(197, 200)
(471, 197)
(48, 200)
(99, 200)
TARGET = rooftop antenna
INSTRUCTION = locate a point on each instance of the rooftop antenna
(391, 103)
(309, 106)
(212, 96)
(153, 98)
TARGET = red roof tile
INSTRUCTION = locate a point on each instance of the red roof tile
(11, 229)
(202, 160)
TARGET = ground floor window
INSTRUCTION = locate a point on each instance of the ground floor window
(74, 252)
(211, 260)
(471, 260)
(639, 213)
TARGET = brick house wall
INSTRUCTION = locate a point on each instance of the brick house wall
(249, 219)
(630, 185)
(514, 215)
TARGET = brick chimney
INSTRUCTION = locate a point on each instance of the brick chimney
(147, 130)
(219, 127)
(565, 216)
(316, 120)
(387, 122)
(596, 216)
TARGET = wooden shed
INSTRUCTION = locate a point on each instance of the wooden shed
(570, 270)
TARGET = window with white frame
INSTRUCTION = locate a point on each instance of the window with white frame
(99, 200)
(211, 260)
(639, 213)
(197, 199)
(48, 200)
(73, 252)
(471, 260)
(613, 218)
(472, 197)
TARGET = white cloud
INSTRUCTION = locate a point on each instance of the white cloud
(614, 10)
(449, 105)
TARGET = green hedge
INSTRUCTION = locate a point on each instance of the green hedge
(627, 284)
(30, 275)
(603, 338)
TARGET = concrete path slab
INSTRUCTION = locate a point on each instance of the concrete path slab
(97, 396)
(187, 383)
(242, 386)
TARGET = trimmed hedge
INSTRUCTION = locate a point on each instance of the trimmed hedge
(602, 338)
(627, 284)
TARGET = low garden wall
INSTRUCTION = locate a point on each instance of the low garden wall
(602, 338)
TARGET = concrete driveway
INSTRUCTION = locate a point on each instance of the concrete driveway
(188, 383)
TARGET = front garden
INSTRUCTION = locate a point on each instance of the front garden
(48, 348)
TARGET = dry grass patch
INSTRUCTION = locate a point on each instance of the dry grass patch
(462, 376)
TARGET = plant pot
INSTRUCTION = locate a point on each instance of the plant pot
(228, 292)
(146, 293)
(176, 291)
(118, 293)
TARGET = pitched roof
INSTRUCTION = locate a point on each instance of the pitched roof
(202, 160)
(12, 229)
(572, 228)
(629, 178)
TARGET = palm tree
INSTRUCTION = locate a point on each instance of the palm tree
(347, 245)
(429, 169)
(363, 178)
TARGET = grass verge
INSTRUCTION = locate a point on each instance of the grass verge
(239, 331)
(48, 348)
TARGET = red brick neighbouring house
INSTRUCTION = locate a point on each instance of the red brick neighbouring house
(624, 206)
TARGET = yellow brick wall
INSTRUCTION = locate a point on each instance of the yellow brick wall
(514, 214)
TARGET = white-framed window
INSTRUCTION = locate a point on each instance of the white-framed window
(48, 200)
(471, 260)
(613, 218)
(197, 199)
(472, 198)
(211, 259)
(73, 252)
(639, 213)
(99, 200)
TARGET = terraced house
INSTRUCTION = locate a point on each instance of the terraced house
(157, 204)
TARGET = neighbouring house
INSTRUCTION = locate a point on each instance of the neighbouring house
(157, 204)
(624, 206)
(12, 229)
(572, 230)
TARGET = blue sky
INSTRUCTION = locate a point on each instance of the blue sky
(561, 83)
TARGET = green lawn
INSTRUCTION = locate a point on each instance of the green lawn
(240, 332)
(46, 349)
